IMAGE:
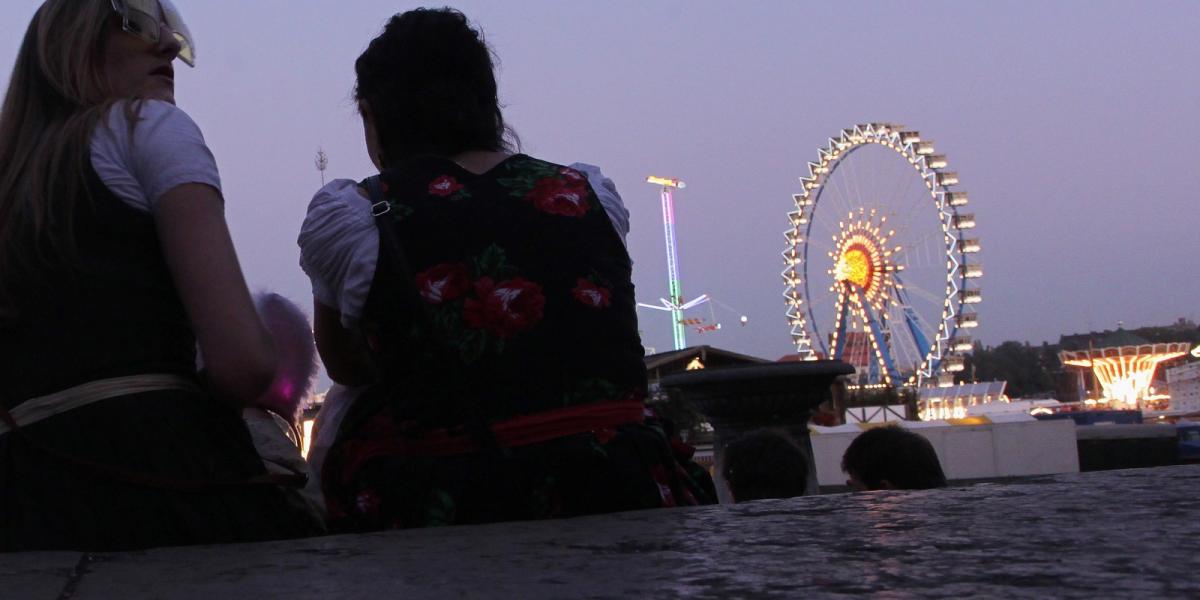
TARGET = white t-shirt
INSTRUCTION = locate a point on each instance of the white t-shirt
(339, 244)
(165, 150)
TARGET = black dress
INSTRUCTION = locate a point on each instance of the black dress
(511, 377)
(117, 313)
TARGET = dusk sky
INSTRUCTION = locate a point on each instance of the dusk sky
(1074, 126)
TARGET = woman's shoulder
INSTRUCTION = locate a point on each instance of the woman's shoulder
(156, 109)
(148, 117)
(526, 162)
(337, 210)
(143, 148)
(338, 247)
(340, 195)
(151, 127)
(578, 172)
(522, 161)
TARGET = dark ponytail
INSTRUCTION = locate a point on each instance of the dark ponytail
(429, 82)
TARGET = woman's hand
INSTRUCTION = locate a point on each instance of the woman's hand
(239, 354)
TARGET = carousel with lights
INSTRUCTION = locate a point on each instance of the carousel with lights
(880, 269)
(1125, 373)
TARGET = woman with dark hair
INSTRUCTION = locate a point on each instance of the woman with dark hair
(115, 260)
(484, 297)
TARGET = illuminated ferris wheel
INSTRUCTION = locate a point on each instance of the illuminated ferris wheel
(877, 263)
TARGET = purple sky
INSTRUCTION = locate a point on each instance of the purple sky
(1073, 125)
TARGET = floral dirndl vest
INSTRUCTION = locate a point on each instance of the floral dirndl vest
(523, 302)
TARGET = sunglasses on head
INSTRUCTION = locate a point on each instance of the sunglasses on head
(141, 18)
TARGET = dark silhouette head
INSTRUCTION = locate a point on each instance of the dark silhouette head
(765, 464)
(428, 87)
(891, 458)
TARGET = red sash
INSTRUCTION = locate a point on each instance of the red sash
(512, 433)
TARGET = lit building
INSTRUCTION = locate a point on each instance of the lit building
(954, 402)
(1184, 382)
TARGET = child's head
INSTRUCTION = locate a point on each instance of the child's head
(891, 458)
(765, 464)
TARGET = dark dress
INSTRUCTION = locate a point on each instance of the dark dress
(118, 314)
(511, 372)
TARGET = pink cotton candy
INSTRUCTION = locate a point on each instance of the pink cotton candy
(297, 354)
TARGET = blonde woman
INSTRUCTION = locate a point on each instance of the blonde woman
(115, 263)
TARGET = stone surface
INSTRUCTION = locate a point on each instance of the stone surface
(1118, 533)
(36, 575)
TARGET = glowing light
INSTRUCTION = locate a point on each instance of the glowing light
(861, 262)
(854, 266)
(306, 429)
(695, 365)
(675, 305)
(1124, 372)
(953, 364)
(666, 182)
(968, 246)
(957, 198)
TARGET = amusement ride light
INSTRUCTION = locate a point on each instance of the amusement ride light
(670, 182)
(1125, 373)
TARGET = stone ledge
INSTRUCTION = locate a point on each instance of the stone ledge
(1118, 533)
(36, 575)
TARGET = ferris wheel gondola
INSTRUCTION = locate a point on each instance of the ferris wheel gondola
(878, 266)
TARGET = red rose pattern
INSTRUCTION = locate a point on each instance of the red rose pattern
(590, 294)
(444, 282)
(504, 309)
(444, 186)
(566, 196)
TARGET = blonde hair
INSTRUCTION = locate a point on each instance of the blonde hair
(56, 96)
